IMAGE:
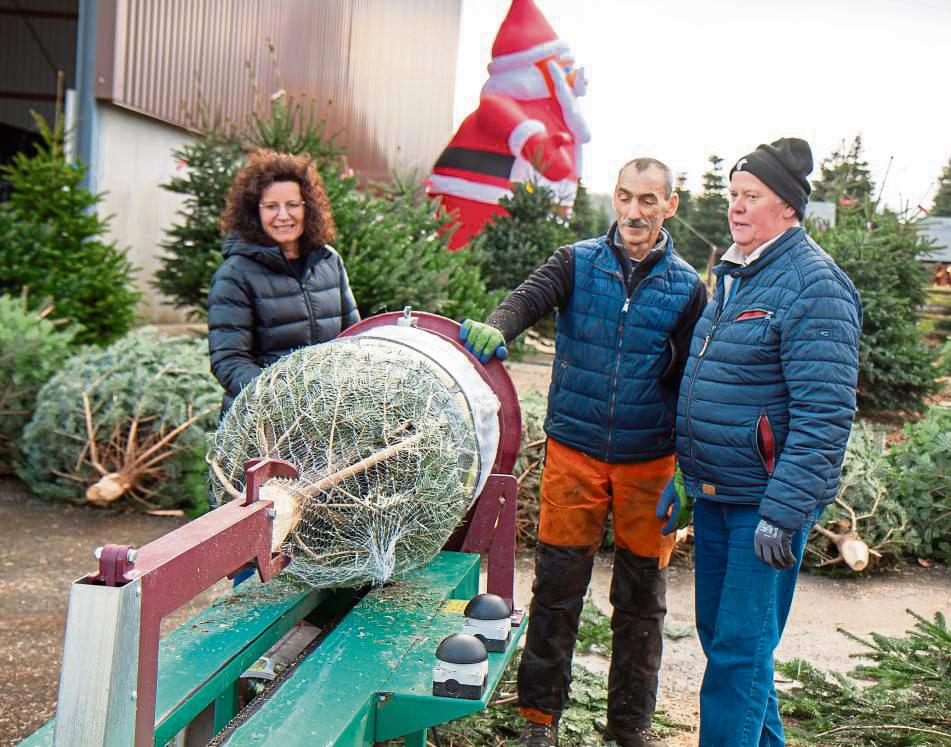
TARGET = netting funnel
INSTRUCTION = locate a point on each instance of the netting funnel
(393, 433)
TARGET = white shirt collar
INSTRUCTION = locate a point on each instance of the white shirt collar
(735, 255)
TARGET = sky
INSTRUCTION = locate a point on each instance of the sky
(682, 79)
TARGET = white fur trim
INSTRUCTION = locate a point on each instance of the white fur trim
(476, 191)
(522, 132)
(527, 56)
(564, 190)
(524, 84)
(569, 105)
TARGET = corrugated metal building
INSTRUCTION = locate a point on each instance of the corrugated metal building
(382, 72)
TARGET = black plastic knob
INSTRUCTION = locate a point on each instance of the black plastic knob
(461, 648)
(487, 607)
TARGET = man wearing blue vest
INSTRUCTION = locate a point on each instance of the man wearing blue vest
(763, 418)
(626, 305)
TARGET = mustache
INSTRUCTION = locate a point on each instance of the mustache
(636, 223)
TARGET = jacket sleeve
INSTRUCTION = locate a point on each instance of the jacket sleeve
(349, 313)
(548, 288)
(231, 333)
(819, 358)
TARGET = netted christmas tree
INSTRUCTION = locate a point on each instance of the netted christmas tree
(125, 425)
(32, 348)
(386, 452)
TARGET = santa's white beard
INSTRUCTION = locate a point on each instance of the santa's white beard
(527, 83)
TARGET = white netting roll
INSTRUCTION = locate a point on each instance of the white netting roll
(474, 396)
(387, 443)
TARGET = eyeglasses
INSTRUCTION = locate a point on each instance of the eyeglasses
(273, 208)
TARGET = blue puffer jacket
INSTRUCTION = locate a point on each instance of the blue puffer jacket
(768, 393)
(606, 398)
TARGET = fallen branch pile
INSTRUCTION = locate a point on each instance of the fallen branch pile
(908, 702)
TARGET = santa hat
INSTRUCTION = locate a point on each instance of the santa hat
(524, 37)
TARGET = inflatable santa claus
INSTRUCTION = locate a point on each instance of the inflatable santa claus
(528, 127)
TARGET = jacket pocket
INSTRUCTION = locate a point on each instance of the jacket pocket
(765, 442)
(763, 316)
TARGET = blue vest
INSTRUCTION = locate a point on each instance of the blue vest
(606, 398)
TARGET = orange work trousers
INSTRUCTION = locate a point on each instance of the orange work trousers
(579, 490)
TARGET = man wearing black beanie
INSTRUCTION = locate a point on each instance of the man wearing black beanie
(763, 418)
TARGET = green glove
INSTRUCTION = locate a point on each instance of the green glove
(675, 501)
(483, 340)
(685, 515)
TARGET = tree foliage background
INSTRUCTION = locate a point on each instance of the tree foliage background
(706, 214)
(32, 348)
(881, 253)
(390, 235)
(52, 243)
(942, 200)
(844, 176)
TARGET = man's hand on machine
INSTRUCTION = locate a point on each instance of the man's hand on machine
(483, 340)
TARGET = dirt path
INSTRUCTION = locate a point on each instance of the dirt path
(43, 548)
(822, 605)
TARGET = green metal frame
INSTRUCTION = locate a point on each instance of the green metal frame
(369, 680)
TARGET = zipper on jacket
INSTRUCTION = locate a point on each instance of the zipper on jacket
(310, 312)
(693, 381)
(617, 359)
(307, 302)
(769, 320)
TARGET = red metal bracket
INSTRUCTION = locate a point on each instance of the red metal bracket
(114, 562)
(492, 530)
(259, 470)
(175, 568)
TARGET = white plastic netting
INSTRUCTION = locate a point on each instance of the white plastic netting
(386, 444)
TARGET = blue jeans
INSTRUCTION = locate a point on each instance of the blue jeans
(741, 607)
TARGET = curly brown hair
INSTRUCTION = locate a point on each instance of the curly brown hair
(265, 167)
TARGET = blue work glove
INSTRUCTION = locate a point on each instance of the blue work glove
(773, 545)
(675, 504)
(483, 340)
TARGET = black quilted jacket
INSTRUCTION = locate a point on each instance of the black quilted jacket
(260, 310)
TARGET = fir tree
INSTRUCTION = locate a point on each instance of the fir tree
(51, 242)
(904, 697)
(844, 177)
(514, 245)
(193, 245)
(895, 367)
(397, 255)
(586, 219)
(32, 349)
(707, 216)
(942, 200)
(677, 226)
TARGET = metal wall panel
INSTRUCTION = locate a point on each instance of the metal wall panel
(37, 39)
(380, 71)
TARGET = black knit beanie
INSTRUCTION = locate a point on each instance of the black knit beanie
(783, 166)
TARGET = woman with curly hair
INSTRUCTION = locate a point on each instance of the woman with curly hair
(281, 285)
